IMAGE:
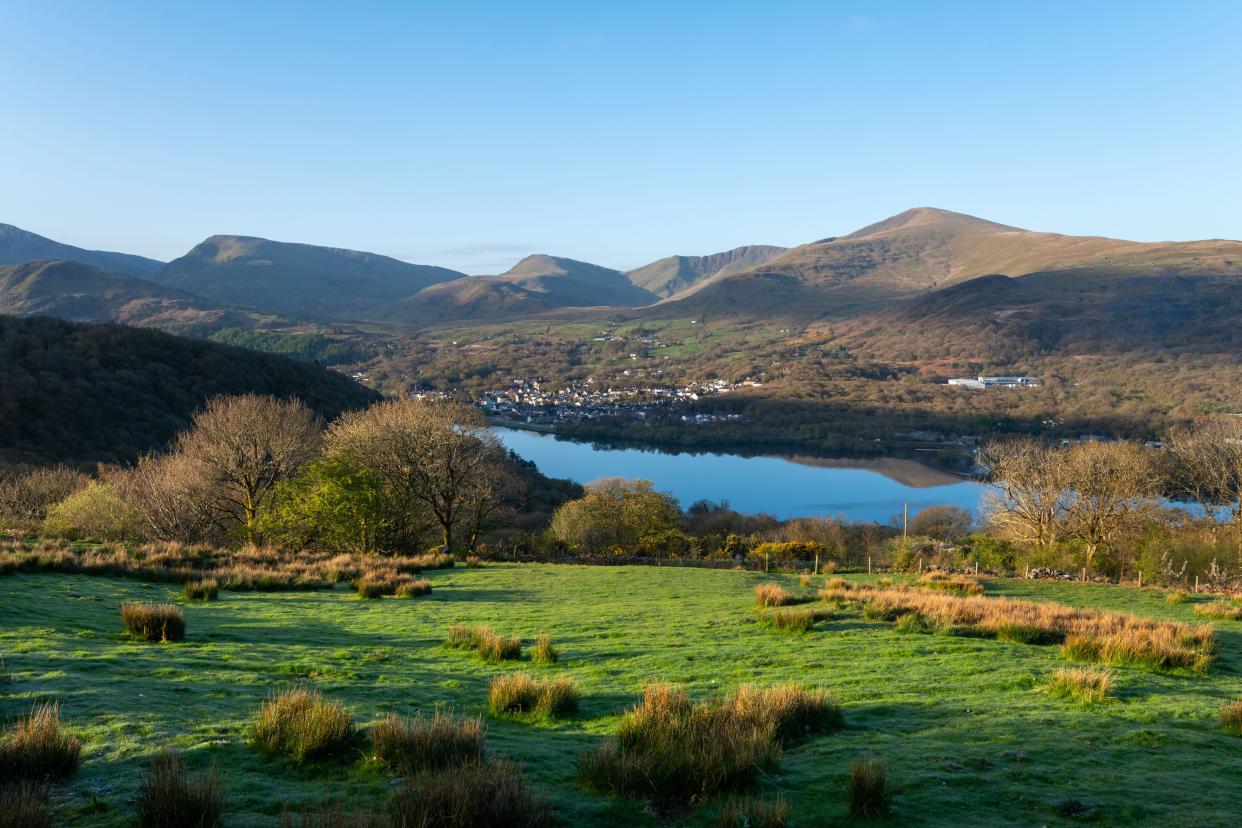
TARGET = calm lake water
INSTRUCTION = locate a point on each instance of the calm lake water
(789, 486)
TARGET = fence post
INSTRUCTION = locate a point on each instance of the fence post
(767, 559)
(976, 568)
(1196, 583)
(1084, 574)
(868, 564)
(1140, 579)
(816, 563)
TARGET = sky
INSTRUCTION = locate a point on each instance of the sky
(470, 134)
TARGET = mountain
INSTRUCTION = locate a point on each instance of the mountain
(926, 249)
(298, 280)
(536, 284)
(76, 393)
(18, 245)
(76, 291)
(674, 274)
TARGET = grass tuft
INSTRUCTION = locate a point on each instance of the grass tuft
(37, 749)
(1224, 610)
(24, 804)
(414, 589)
(522, 693)
(477, 794)
(955, 584)
(168, 798)
(745, 812)
(868, 789)
(1085, 685)
(1176, 597)
(427, 742)
(545, 651)
(795, 620)
(153, 622)
(1231, 717)
(485, 642)
(772, 595)
(205, 589)
(302, 724)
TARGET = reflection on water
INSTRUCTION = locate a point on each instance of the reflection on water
(857, 489)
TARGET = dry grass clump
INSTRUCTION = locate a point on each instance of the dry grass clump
(955, 584)
(1224, 610)
(251, 568)
(168, 798)
(204, 589)
(153, 622)
(427, 742)
(745, 812)
(5, 675)
(24, 804)
(302, 724)
(37, 749)
(474, 795)
(335, 814)
(1176, 597)
(868, 789)
(485, 642)
(1231, 717)
(519, 693)
(772, 595)
(414, 589)
(801, 619)
(669, 746)
(545, 651)
(474, 562)
(1091, 635)
(1081, 684)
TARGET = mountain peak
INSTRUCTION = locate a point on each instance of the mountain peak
(544, 264)
(929, 217)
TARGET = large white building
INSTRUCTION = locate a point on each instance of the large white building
(996, 382)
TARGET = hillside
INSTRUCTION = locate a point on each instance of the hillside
(926, 249)
(18, 245)
(298, 280)
(536, 284)
(79, 393)
(674, 274)
(79, 292)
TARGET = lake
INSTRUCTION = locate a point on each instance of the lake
(867, 489)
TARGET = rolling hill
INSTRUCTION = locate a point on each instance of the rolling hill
(298, 280)
(79, 292)
(536, 284)
(77, 392)
(18, 246)
(674, 274)
(926, 249)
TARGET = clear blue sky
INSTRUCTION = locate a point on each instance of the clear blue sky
(469, 134)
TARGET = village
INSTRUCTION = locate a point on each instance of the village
(535, 401)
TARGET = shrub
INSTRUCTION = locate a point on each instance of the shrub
(427, 743)
(1176, 597)
(545, 651)
(744, 812)
(1231, 717)
(24, 805)
(37, 749)
(153, 622)
(95, 511)
(1220, 609)
(302, 724)
(668, 746)
(414, 589)
(206, 589)
(167, 798)
(1085, 685)
(519, 693)
(474, 795)
(772, 595)
(868, 789)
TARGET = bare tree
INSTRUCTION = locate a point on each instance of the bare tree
(440, 461)
(1030, 493)
(1207, 466)
(1108, 482)
(245, 445)
(168, 494)
(27, 493)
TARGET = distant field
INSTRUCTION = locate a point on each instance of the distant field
(968, 737)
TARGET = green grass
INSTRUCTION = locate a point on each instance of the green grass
(961, 723)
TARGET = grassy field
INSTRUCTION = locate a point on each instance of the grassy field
(968, 736)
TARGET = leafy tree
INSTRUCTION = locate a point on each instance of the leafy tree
(332, 504)
(615, 513)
